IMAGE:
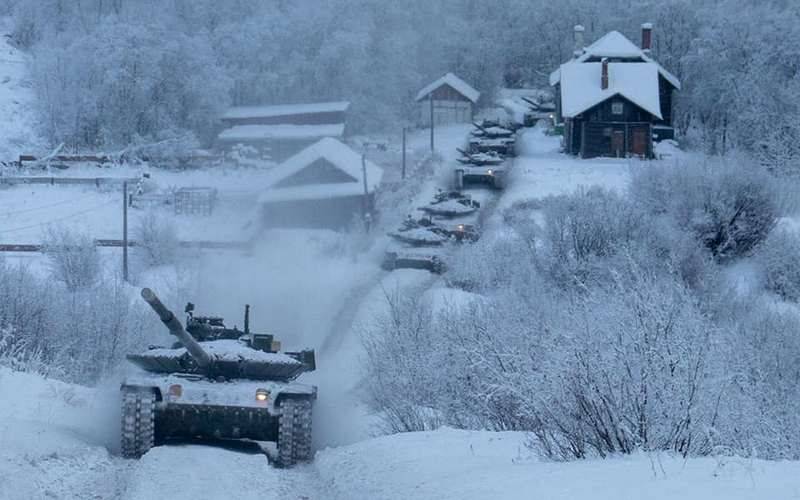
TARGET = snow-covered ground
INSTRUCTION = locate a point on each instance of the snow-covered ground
(53, 439)
(318, 289)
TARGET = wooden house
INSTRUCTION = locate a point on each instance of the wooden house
(453, 101)
(281, 131)
(325, 185)
(613, 98)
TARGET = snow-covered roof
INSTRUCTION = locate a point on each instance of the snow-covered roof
(337, 154)
(581, 86)
(615, 45)
(284, 110)
(453, 81)
(264, 132)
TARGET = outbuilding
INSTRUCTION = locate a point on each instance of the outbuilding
(453, 101)
(280, 131)
(326, 185)
(613, 98)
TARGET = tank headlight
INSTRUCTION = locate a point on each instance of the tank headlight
(460, 227)
(262, 394)
(490, 171)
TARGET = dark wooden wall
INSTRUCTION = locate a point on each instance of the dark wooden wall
(329, 213)
(319, 118)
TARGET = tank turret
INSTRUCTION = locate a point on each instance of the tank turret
(174, 326)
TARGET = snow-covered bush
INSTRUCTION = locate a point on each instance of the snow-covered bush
(400, 355)
(157, 239)
(72, 257)
(731, 207)
(780, 258)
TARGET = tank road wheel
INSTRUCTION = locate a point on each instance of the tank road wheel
(138, 421)
(294, 432)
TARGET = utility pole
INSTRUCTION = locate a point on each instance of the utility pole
(125, 231)
(403, 175)
(367, 215)
(431, 96)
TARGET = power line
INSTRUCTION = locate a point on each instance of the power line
(13, 230)
(33, 209)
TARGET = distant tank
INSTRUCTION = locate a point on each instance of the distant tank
(451, 204)
(425, 232)
(217, 383)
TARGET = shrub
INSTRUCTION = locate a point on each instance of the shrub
(780, 259)
(157, 238)
(730, 207)
(72, 256)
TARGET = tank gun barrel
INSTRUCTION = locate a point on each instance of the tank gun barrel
(175, 328)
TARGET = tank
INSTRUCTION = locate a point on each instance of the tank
(217, 383)
(451, 204)
(425, 232)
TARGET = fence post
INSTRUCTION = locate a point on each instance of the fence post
(125, 231)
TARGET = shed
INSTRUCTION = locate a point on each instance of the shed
(323, 185)
(613, 98)
(453, 100)
(279, 131)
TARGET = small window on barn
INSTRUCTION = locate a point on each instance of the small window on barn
(617, 107)
(607, 132)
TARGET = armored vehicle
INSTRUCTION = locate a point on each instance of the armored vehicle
(412, 259)
(451, 204)
(425, 232)
(217, 383)
(494, 176)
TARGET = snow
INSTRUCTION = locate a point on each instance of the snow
(52, 445)
(581, 86)
(453, 81)
(615, 45)
(229, 350)
(335, 152)
(449, 207)
(265, 132)
(541, 171)
(284, 110)
(466, 465)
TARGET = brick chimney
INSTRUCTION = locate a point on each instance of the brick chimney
(604, 76)
(647, 37)
(578, 37)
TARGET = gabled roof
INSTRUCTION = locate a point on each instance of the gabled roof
(239, 112)
(581, 86)
(337, 154)
(266, 132)
(615, 45)
(453, 81)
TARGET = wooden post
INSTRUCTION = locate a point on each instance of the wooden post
(431, 96)
(403, 174)
(125, 231)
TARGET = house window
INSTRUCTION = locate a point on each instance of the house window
(617, 108)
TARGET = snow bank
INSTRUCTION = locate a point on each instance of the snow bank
(53, 438)
(465, 465)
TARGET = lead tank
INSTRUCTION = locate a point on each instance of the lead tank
(217, 383)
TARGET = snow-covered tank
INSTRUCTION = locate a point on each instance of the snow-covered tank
(217, 383)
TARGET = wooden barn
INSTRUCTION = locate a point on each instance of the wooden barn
(281, 131)
(325, 185)
(613, 98)
(454, 101)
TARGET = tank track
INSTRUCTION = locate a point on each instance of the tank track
(138, 421)
(294, 432)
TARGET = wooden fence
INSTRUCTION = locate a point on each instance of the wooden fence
(97, 181)
(201, 245)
